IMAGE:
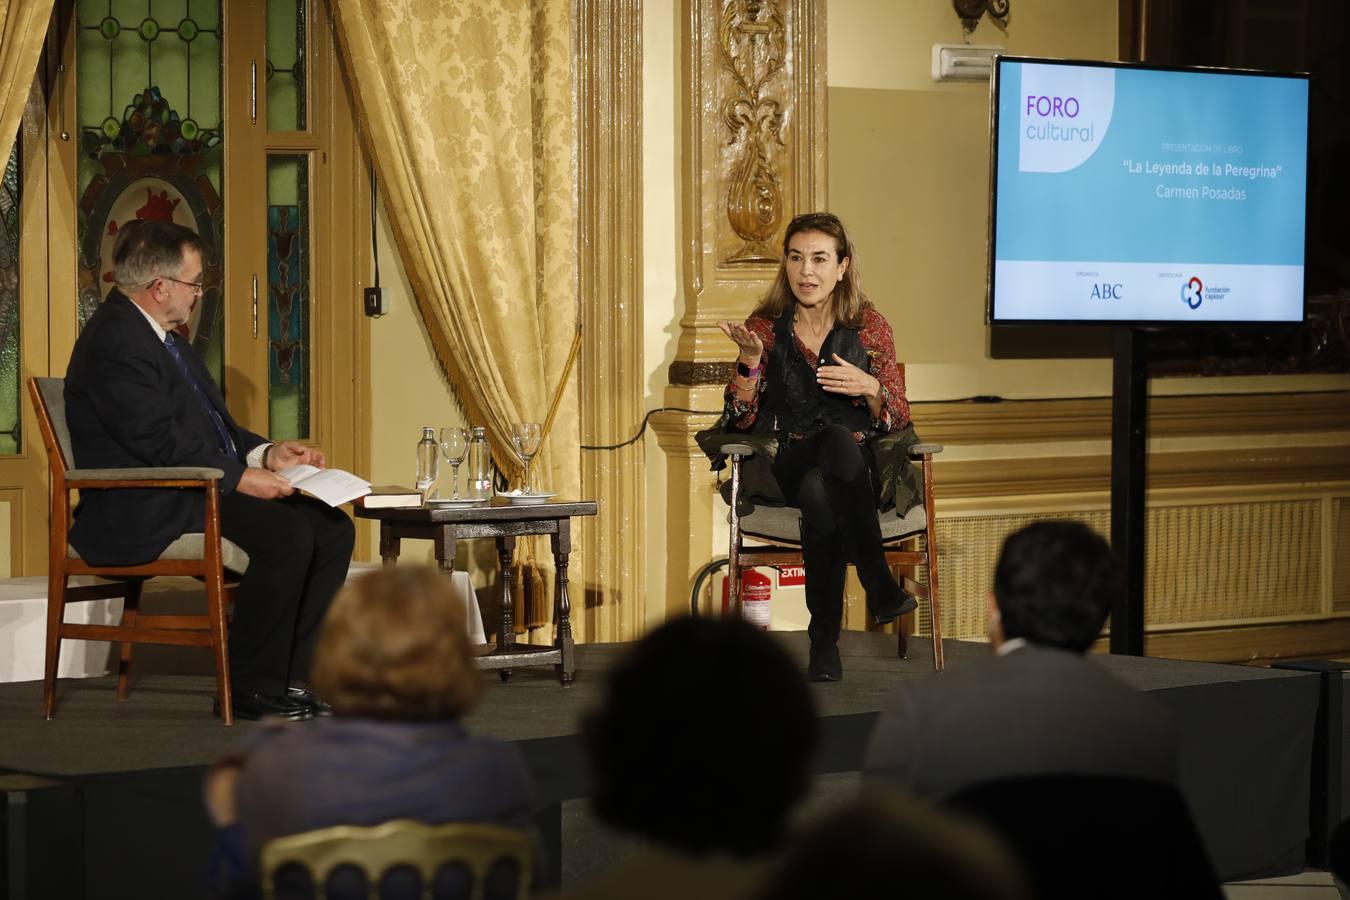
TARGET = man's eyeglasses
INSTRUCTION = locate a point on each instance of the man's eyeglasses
(196, 286)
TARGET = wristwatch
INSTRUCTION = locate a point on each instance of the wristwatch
(746, 372)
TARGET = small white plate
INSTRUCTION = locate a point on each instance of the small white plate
(462, 503)
(538, 498)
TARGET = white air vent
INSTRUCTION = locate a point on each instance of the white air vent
(963, 62)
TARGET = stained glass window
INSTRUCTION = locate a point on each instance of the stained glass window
(150, 120)
(10, 419)
(287, 109)
(288, 236)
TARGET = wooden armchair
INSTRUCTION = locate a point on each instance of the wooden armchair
(202, 555)
(909, 541)
(398, 859)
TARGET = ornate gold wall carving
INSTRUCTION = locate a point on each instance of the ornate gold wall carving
(753, 46)
(609, 602)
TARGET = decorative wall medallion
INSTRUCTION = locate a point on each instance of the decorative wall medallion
(149, 170)
(753, 47)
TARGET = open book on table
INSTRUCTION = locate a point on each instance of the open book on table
(332, 486)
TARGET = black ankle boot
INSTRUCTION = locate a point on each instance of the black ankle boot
(889, 603)
(824, 664)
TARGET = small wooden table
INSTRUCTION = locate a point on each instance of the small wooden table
(505, 522)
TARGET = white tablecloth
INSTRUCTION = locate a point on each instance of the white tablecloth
(23, 622)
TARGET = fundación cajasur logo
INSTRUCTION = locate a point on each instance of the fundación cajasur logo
(1193, 292)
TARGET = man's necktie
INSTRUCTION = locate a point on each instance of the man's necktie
(226, 442)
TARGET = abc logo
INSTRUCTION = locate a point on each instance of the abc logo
(1107, 291)
(1193, 292)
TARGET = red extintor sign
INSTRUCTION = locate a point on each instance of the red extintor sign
(791, 576)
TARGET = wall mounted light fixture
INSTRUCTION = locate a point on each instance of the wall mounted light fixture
(971, 11)
(964, 62)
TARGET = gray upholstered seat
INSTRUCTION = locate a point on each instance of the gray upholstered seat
(192, 546)
(783, 523)
(771, 535)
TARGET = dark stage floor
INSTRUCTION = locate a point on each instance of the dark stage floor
(167, 722)
(1247, 738)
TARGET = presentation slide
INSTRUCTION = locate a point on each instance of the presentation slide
(1129, 194)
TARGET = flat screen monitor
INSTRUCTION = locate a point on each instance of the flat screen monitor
(1131, 194)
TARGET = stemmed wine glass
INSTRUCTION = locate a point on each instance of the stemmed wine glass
(526, 437)
(454, 445)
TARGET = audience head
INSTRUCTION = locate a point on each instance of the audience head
(703, 739)
(888, 843)
(849, 299)
(1055, 583)
(147, 249)
(395, 645)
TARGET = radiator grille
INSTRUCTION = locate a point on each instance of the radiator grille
(1340, 554)
(1210, 562)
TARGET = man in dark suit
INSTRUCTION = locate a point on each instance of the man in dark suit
(137, 395)
(1038, 706)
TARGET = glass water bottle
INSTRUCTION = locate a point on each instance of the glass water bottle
(479, 461)
(426, 461)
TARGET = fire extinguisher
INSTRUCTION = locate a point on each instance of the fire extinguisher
(756, 597)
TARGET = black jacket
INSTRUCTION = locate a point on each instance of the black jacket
(129, 406)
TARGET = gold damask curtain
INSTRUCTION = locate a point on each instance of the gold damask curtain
(467, 108)
(23, 27)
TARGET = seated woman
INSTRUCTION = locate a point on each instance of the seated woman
(393, 660)
(817, 368)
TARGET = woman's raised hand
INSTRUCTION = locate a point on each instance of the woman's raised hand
(842, 377)
(751, 347)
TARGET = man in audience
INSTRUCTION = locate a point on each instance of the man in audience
(1038, 706)
(138, 395)
(889, 844)
(702, 746)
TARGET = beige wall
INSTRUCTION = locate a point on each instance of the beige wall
(407, 388)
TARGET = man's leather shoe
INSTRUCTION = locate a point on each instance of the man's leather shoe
(255, 706)
(896, 604)
(299, 693)
(824, 664)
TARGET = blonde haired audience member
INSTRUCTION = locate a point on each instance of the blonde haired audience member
(393, 660)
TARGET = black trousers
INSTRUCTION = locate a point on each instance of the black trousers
(298, 550)
(833, 480)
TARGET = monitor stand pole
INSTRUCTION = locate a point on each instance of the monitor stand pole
(1129, 436)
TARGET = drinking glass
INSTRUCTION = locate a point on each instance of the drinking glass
(454, 444)
(526, 437)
